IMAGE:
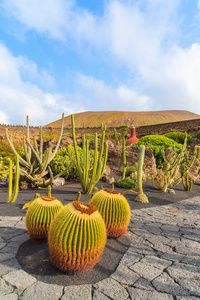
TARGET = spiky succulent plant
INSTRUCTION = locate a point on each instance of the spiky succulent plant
(39, 216)
(77, 237)
(114, 209)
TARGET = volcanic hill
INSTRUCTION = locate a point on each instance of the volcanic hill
(117, 118)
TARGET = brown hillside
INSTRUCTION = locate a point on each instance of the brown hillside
(117, 118)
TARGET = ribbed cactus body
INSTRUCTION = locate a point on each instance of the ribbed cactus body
(77, 237)
(115, 211)
(40, 215)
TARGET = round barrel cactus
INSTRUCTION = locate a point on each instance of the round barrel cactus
(115, 211)
(77, 237)
(40, 214)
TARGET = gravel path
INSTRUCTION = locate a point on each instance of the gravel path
(162, 261)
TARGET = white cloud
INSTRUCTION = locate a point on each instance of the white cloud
(109, 98)
(47, 16)
(19, 98)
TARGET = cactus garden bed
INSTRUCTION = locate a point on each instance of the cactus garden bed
(34, 258)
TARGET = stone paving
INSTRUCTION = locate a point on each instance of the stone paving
(163, 261)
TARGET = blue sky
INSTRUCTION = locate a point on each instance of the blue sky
(74, 56)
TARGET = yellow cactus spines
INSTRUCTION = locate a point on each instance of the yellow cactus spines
(77, 237)
(115, 211)
(40, 214)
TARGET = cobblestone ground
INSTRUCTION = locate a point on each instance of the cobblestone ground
(163, 261)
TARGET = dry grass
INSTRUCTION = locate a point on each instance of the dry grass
(117, 118)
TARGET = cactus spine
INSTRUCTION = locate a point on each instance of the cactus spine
(11, 198)
(39, 216)
(77, 237)
(88, 180)
(114, 209)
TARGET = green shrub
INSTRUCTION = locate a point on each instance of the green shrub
(132, 169)
(4, 166)
(65, 159)
(156, 142)
(50, 136)
(126, 183)
(198, 135)
(179, 137)
(6, 151)
(90, 137)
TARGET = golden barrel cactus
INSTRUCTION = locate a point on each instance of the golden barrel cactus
(77, 237)
(115, 211)
(39, 216)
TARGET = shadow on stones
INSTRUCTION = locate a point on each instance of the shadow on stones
(34, 259)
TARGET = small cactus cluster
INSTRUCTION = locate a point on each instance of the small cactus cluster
(114, 209)
(77, 237)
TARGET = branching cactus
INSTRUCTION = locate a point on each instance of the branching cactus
(173, 163)
(89, 178)
(77, 237)
(37, 169)
(13, 197)
(114, 209)
(39, 216)
(187, 182)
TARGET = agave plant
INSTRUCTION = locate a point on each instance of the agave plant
(36, 163)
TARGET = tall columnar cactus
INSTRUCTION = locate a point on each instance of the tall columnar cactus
(141, 197)
(124, 157)
(39, 216)
(36, 169)
(187, 182)
(116, 137)
(87, 178)
(198, 152)
(11, 198)
(114, 209)
(77, 237)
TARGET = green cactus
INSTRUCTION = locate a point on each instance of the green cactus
(114, 209)
(11, 198)
(77, 237)
(198, 152)
(124, 157)
(88, 180)
(187, 182)
(177, 159)
(141, 197)
(39, 216)
(40, 167)
(116, 137)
